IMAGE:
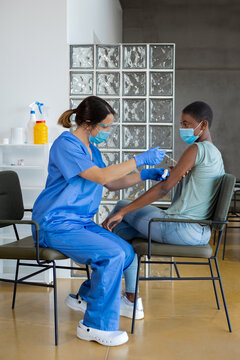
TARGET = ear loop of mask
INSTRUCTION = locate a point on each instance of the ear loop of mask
(201, 131)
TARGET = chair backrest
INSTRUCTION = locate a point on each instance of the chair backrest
(224, 200)
(11, 202)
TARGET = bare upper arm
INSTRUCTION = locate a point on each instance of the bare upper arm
(185, 163)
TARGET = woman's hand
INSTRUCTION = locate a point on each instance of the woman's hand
(112, 221)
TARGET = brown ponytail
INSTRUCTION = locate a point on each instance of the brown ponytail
(90, 111)
(64, 119)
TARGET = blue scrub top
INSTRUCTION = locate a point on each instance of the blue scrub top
(68, 199)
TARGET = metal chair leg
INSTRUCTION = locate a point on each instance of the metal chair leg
(214, 239)
(214, 285)
(135, 299)
(55, 303)
(225, 240)
(223, 297)
(15, 284)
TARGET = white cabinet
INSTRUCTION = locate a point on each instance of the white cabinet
(32, 175)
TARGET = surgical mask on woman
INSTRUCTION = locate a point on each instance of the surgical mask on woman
(100, 137)
(188, 136)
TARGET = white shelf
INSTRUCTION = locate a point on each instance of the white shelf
(32, 187)
(26, 206)
(35, 167)
(27, 217)
(23, 145)
(8, 237)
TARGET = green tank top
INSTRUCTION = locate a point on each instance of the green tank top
(196, 193)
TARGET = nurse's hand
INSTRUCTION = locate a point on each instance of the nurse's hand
(153, 174)
(112, 221)
(150, 157)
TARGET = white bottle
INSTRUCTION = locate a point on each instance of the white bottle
(30, 126)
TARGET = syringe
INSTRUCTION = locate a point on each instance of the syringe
(170, 158)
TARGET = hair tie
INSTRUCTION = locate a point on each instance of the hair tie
(74, 111)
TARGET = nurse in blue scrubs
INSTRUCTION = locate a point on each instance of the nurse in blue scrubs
(67, 205)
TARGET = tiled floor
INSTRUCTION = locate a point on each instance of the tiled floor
(181, 321)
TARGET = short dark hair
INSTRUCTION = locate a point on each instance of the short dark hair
(92, 110)
(200, 111)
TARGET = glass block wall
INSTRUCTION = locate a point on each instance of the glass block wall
(138, 82)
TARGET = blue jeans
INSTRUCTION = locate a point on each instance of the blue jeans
(135, 224)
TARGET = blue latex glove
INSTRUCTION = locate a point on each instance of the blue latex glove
(150, 157)
(153, 174)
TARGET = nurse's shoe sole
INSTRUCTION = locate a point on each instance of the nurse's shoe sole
(126, 308)
(107, 338)
(75, 302)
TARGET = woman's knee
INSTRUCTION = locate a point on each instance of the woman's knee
(125, 231)
(120, 204)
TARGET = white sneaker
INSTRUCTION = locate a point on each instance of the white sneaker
(107, 338)
(126, 308)
(75, 302)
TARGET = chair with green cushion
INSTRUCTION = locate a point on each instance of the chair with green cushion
(150, 248)
(11, 214)
(233, 216)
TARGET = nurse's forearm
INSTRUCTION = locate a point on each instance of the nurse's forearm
(108, 174)
(155, 193)
(116, 172)
(125, 182)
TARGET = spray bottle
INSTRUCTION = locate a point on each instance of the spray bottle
(40, 130)
(31, 123)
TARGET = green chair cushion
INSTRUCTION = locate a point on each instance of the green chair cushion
(25, 249)
(141, 248)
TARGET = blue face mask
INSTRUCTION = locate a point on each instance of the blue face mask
(100, 137)
(188, 136)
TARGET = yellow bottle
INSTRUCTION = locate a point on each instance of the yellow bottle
(40, 132)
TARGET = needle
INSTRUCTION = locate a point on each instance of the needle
(170, 158)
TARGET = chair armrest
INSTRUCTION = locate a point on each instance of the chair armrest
(202, 222)
(27, 222)
(187, 221)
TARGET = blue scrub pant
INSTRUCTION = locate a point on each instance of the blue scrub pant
(135, 224)
(109, 256)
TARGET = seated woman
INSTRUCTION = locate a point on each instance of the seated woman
(194, 198)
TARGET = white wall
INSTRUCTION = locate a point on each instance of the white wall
(94, 21)
(33, 60)
(34, 37)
